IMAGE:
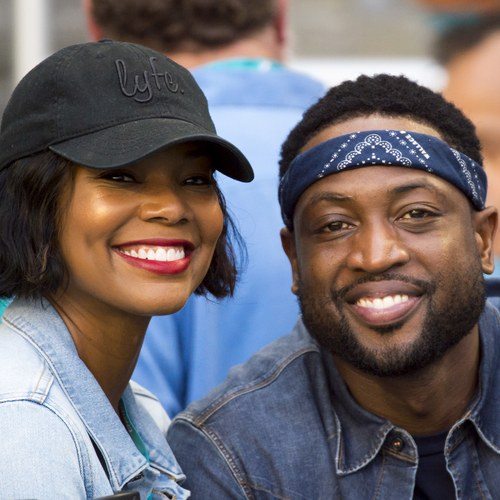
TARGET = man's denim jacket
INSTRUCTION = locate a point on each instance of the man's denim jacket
(60, 437)
(284, 426)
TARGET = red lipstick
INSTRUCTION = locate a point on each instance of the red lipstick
(161, 267)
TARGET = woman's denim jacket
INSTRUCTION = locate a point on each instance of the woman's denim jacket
(284, 426)
(60, 436)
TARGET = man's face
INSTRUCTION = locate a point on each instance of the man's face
(387, 261)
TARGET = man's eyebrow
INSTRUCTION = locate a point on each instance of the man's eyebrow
(328, 196)
(406, 188)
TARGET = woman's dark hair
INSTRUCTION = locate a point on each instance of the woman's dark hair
(388, 96)
(31, 265)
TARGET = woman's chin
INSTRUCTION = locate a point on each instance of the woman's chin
(160, 307)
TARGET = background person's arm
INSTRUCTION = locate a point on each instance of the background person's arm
(162, 365)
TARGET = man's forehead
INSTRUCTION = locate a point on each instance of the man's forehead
(368, 122)
(378, 184)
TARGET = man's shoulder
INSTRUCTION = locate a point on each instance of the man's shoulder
(278, 364)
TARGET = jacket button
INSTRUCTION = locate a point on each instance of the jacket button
(397, 444)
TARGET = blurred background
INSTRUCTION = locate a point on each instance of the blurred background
(332, 39)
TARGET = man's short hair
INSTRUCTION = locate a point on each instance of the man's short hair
(464, 36)
(384, 95)
(171, 25)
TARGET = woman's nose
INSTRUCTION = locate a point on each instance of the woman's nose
(164, 204)
(377, 248)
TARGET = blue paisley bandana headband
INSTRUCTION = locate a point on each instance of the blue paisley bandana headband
(383, 148)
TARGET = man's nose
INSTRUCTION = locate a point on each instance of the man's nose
(164, 204)
(377, 248)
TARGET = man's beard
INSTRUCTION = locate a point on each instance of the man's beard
(443, 327)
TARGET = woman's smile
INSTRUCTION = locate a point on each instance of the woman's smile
(160, 256)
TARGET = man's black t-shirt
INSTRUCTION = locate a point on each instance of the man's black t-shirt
(433, 481)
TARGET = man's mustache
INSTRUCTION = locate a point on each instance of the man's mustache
(427, 287)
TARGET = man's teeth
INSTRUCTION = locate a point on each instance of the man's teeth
(160, 254)
(382, 302)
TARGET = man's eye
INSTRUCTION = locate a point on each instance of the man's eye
(337, 226)
(417, 213)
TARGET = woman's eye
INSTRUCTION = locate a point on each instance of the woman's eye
(118, 177)
(199, 180)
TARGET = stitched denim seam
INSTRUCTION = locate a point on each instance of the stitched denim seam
(476, 421)
(477, 472)
(370, 455)
(219, 445)
(265, 490)
(257, 486)
(262, 381)
(43, 390)
(381, 476)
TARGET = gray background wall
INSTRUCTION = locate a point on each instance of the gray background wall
(320, 28)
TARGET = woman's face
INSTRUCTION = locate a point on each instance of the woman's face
(140, 239)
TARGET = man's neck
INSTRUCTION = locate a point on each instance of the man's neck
(257, 47)
(424, 403)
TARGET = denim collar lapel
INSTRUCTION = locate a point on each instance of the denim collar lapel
(484, 414)
(361, 434)
(39, 323)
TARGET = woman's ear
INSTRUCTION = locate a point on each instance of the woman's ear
(485, 226)
(288, 243)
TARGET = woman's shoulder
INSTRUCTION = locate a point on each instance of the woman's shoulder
(27, 377)
(49, 450)
(24, 373)
(44, 457)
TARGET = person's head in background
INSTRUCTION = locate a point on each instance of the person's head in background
(194, 32)
(470, 53)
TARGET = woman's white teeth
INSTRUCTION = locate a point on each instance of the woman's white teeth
(160, 254)
(382, 302)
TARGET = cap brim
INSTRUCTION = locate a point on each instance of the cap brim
(128, 143)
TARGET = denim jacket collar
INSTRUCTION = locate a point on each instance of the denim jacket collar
(362, 434)
(39, 323)
(484, 413)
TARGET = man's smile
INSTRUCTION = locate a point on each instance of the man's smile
(382, 303)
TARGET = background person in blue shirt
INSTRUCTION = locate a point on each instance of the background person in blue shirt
(389, 386)
(236, 50)
(469, 50)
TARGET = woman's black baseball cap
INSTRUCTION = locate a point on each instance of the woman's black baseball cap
(110, 104)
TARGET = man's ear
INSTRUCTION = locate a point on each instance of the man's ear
(281, 24)
(288, 243)
(485, 226)
(94, 30)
